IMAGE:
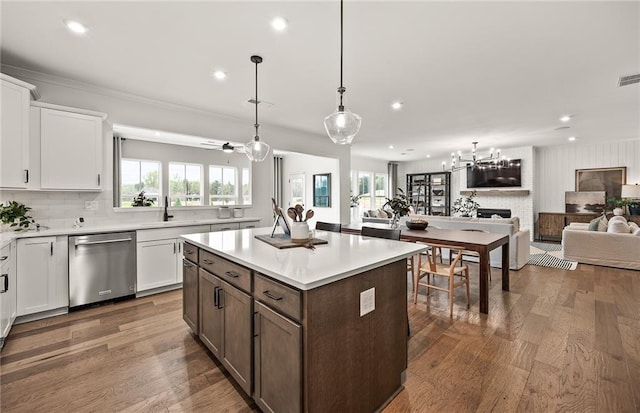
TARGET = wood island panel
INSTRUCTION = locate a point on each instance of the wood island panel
(355, 363)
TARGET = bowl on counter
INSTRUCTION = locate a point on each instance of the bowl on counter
(419, 225)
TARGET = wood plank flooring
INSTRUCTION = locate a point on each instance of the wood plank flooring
(565, 341)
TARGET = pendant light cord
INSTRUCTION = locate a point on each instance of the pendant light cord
(341, 90)
(257, 125)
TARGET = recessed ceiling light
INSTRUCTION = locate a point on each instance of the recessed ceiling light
(220, 75)
(76, 27)
(279, 23)
(390, 146)
(409, 150)
(565, 118)
(572, 138)
(428, 156)
(397, 105)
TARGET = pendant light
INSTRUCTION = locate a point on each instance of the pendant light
(342, 126)
(256, 150)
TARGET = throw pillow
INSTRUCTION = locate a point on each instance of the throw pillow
(637, 232)
(632, 226)
(618, 227)
(373, 213)
(593, 224)
(617, 218)
(602, 226)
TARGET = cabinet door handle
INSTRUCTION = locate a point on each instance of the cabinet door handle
(215, 297)
(3, 258)
(51, 248)
(174, 247)
(6, 283)
(270, 295)
(98, 179)
(231, 274)
(26, 176)
(179, 246)
(256, 324)
(209, 262)
(220, 298)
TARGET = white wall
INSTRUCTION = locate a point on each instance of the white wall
(126, 109)
(310, 165)
(556, 165)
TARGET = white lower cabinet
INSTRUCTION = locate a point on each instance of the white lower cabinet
(7, 289)
(158, 263)
(42, 268)
(159, 256)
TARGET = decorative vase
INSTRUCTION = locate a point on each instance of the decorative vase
(299, 231)
(395, 221)
(618, 211)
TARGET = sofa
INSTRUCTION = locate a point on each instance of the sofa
(602, 247)
(518, 238)
(378, 216)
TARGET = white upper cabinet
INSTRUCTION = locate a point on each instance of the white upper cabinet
(71, 150)
(14, 140)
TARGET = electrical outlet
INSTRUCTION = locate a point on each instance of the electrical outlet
(91, 205)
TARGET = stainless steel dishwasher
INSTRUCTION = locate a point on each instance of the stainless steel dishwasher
(101, 267)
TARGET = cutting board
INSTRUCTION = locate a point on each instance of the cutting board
(282, 241)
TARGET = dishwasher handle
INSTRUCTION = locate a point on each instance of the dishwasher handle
(106, 241)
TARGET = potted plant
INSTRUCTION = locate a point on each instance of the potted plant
(466, 207)
(618, 205)
(400, 206)
(141, 200)
(15, 214)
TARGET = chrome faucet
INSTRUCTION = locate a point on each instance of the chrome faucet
(166, 216)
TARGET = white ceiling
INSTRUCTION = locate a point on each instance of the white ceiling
(501, 73)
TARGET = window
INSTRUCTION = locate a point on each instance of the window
(372, 188)
(246, 186)
(223, 185)
(185, 187)
(381, 189)
(139, 175)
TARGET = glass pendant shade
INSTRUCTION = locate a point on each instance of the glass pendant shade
(342, 126)
(256, 150)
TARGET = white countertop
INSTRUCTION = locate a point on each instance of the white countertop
(344, 255)
(6, 237)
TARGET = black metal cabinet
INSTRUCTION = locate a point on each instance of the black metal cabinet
(430, 193)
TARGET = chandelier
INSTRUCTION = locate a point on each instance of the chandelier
(342, 125)
(459, 163)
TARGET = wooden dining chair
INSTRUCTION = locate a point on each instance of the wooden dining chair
(393, 234)
(328, 226)
(474, 254)
(457, 275)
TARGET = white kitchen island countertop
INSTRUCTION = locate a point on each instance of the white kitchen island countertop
(343, 256)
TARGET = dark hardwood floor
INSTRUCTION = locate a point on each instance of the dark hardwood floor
(558, 341)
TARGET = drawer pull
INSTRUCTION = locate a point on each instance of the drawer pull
(188, 264)
(270, 295)
(209, 262)
(231, 274)
(189, 251)
(4, 258)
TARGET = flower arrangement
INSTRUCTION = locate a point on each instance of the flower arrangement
(466, 206)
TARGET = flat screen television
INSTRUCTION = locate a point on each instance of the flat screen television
(490, 175)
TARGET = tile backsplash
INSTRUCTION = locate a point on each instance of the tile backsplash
(57, 209)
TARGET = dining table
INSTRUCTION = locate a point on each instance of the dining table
(480, 242)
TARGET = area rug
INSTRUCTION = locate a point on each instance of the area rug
(549, 255)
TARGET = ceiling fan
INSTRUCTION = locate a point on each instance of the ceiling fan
(225, 147)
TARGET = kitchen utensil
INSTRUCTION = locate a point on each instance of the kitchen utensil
(293, 214)
(308, 215)
(299, 208)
